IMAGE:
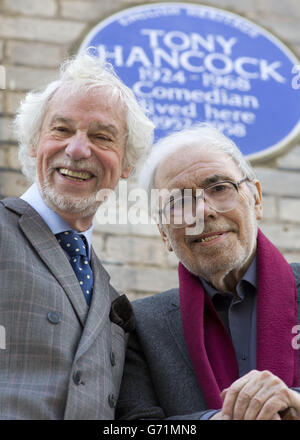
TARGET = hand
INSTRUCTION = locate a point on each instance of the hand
(218, 416)
(259, 395)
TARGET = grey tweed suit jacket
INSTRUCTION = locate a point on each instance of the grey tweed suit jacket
(159, 380)
(60, 360)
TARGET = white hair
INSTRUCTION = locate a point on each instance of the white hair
(83, 72)
(203, 134)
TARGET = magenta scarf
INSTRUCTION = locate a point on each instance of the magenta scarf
(209, 344)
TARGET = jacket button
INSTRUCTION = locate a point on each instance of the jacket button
(111, 401)
(112, 358)
(54, 317)
(77, 378)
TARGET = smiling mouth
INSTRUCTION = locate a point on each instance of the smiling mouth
(205, 240)
(78, 176)
(208, 238)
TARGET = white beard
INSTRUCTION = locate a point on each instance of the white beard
(73, 205)
(88, 206)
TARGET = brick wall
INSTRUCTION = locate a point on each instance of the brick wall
(36, 35)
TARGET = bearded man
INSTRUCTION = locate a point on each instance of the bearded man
(65, 343)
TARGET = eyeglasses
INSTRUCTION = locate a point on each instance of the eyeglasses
(183, 207)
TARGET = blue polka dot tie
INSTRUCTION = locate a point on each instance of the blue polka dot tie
(76, 248)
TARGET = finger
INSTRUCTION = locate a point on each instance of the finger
(294, 403)
(247, 398)
(232, 393)
(271, 407)
(228, 403)
(258, 401)
(276, 417)
(223, 393)
(272, 389)
(289, 414)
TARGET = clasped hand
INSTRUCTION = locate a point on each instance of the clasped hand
(259, 395)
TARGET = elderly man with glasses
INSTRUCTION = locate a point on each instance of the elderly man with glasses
(224, 344)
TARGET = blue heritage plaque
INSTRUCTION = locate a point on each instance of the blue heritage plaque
(188, 63)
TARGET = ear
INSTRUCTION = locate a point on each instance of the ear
(258, 205)
(126, 172)
(32, 151)
(164, 237)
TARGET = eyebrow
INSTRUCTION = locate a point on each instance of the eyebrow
(94, 125)
(61, 119)
(214, 179)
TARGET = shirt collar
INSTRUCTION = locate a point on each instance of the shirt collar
(250, 277)
(56, 224)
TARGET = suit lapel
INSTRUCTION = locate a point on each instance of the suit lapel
(99, 308)
(49, 250)
(174, 324)
(45, 244)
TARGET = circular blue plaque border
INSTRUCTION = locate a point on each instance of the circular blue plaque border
(269, 151)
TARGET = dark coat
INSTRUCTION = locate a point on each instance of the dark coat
(159, 380)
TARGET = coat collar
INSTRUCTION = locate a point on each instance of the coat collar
(100, 306)
(174, 324)
(47, 247)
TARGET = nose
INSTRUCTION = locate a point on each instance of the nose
(203, 208)
(202, 214)
(78, 147)
(208, 211)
